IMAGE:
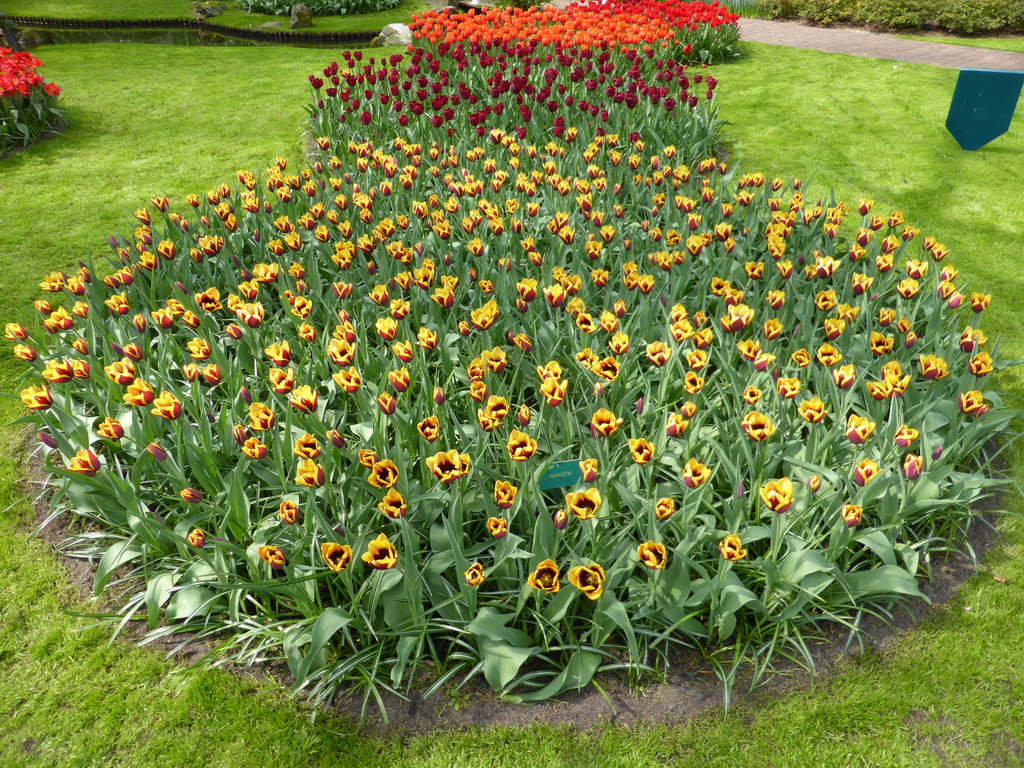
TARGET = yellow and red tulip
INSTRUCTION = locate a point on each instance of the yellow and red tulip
(545, 577)
(380, 554)
(732, 548)
(588, 579)
(336, 556)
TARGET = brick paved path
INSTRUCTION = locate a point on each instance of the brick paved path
(872, 45)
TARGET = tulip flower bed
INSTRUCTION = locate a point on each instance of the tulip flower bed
(536, 93)
(512, 410)
(28, 104)
(686, 31)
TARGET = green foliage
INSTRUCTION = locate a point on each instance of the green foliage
(970, 16)
(764, 9)
(706, 44)
(961, 16)
(318, 7)
(72, 700)
(295, 483)
(521, 4)
(828, 11)
(895, 13)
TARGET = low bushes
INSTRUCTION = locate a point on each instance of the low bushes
(28, 104)
(962, 16)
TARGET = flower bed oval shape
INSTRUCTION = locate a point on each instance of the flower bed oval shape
(320, 410)
(533, 399)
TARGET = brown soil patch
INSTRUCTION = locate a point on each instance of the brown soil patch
(688, 689)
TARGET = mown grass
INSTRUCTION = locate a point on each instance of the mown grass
(147, 120)
(1013, 43)
(183, 9)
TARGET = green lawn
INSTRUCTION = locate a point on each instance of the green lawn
(182, 9)
(152, 120)
(1008, 43)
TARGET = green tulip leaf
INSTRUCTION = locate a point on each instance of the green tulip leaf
(796, 566)
(114, 558)
(879, 543)
(502, 662)
(490, 625)
(191, 601)
(577, 673)
(882, 580)
(158, 592)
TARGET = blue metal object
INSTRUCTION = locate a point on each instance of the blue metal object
(561, 474)
(983, 105)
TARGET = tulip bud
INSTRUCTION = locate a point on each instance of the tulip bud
(157, 452)
(741, 490)
(46, 439)
(640, 406)
(561, 519)
(813, 483)
(336, 438)
(524, 415)
(246, 395)
(912, 465)
(239, 434)
(937, 453)
(598, 391)
(438, 396)
(191, 495)
(910, 340)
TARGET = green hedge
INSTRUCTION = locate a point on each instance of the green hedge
(318, 7)
(963, 16)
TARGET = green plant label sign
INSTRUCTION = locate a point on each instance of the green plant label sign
(561, 474)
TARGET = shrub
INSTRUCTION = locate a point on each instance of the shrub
(28, 104)
(828, 11)
(318, 7)
(961, 16)
(970, 16)
(895, 13)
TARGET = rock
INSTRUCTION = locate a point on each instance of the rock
(208, 10)
(395, 34)
(31, 38)
(271, 25)
(302, 17)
